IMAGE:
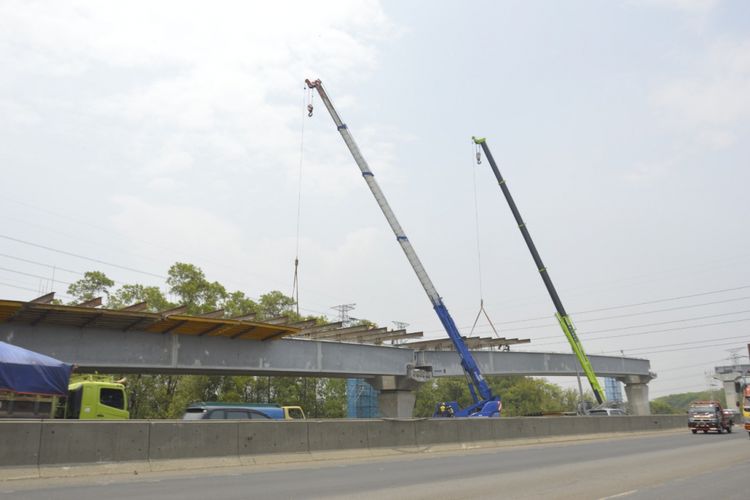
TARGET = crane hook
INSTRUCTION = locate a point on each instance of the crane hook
(309, 110)
(479, 158)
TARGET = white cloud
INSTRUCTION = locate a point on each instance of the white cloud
(713, 99)
(645, 173)
(190, 74)
(138, 220)
(688, 6)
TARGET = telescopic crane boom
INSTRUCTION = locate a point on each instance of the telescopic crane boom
(485, 403)
(562, 317)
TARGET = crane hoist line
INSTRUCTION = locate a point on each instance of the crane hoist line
(562, 317)
(485, 403)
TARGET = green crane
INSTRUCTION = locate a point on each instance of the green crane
(562, 317)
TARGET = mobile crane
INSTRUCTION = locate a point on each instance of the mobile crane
(485, 403)
(562, 317)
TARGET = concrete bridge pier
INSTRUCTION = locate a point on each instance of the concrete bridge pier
(397, 395)
(636, 389)
(730, 382)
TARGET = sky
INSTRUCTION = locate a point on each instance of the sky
(140, 134)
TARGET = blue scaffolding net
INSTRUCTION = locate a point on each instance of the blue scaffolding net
(362, 399)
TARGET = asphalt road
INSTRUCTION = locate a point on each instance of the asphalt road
(665, 465)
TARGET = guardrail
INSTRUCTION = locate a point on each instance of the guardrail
(47, 448)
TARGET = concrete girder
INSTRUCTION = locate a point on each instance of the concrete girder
(396, 369)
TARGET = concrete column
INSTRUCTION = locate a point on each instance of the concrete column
(397, 395)
(637, 394)
(731, 394)
(397, 404)
(730, 390)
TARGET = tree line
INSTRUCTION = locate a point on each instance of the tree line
(167, 396)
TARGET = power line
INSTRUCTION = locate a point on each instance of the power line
(34, 275)
(624, 306)
(29, 261)
(19, 287)
(256, 298)
(30, 289)
(643, 325)
(642, 313)
(668, 299)
(668, 309)
(676, 368)
(118, 266)
(687, 343)
(694, 347)
(78, 256)
(655, 331)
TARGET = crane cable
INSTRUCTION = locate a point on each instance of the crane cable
(482, 310)
(307, 97)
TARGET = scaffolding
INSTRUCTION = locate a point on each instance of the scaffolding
(361, 399)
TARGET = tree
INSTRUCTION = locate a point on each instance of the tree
(167, 396)
(93, 284)
(662, 408)
(190, 285)
(681, 401)
(237, 304)
(132, 294)
(275, 303)
(520, 395)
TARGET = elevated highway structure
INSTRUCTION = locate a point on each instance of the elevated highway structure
(128, 341)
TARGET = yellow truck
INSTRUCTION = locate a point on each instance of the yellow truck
(33, 385)
(88, 398)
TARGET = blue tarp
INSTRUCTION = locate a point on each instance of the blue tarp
(29, 372)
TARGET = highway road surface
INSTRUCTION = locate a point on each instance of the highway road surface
(657, 466)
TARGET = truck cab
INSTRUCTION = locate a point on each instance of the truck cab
(708, 416)
(95, 400)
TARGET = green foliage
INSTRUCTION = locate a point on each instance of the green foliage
(681, 401)
(275, 303)
(237, 304)
(189, 284)
(93, 284)
(520, 395)
(167, 396)
(132, 294)
(662, 408)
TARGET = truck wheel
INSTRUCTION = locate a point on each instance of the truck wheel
(695, 431)
(729, 429)
(720, 430)
(705, 431)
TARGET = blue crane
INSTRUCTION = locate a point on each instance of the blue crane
(485, 403)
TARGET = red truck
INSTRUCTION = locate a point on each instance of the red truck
(709, 416)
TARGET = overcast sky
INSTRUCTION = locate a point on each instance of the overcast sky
(144, 133)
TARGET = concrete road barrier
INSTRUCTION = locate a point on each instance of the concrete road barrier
(392, 434)
(193, 439)
(67, 442)
(272, 437)
(432, 432)
(19, 443)
(336, 435)
(34, 447)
